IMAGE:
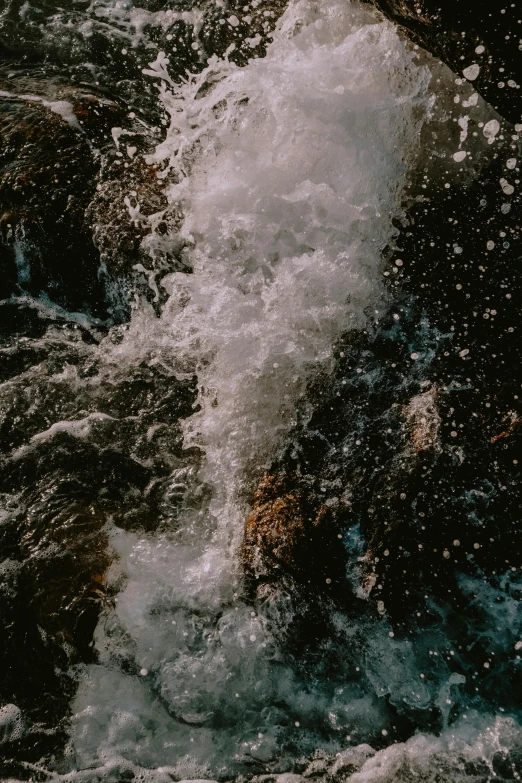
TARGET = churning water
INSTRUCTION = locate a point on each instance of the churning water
(283, 178)
(289, 171)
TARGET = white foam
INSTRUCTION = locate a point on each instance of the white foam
(288, 173)
(427, 758)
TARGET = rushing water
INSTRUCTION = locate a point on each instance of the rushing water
(282, 179)
(287, 196)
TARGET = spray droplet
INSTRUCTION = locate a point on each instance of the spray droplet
(471, 72)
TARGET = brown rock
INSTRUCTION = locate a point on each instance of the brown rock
(290, 531)
(274, 529)
(63, 188)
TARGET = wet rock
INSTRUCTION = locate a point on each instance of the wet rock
(479, 41)
(59, 238)
(77, 204)
(248, 29)
(291, 531)
(78, 201)
(511, 423)
(46, 173)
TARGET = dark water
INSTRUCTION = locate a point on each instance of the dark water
(260, 400)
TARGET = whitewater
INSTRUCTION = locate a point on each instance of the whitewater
(282, 180)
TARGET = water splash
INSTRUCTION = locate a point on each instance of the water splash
(286, 175)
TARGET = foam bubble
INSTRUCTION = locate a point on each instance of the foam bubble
(471, 72)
